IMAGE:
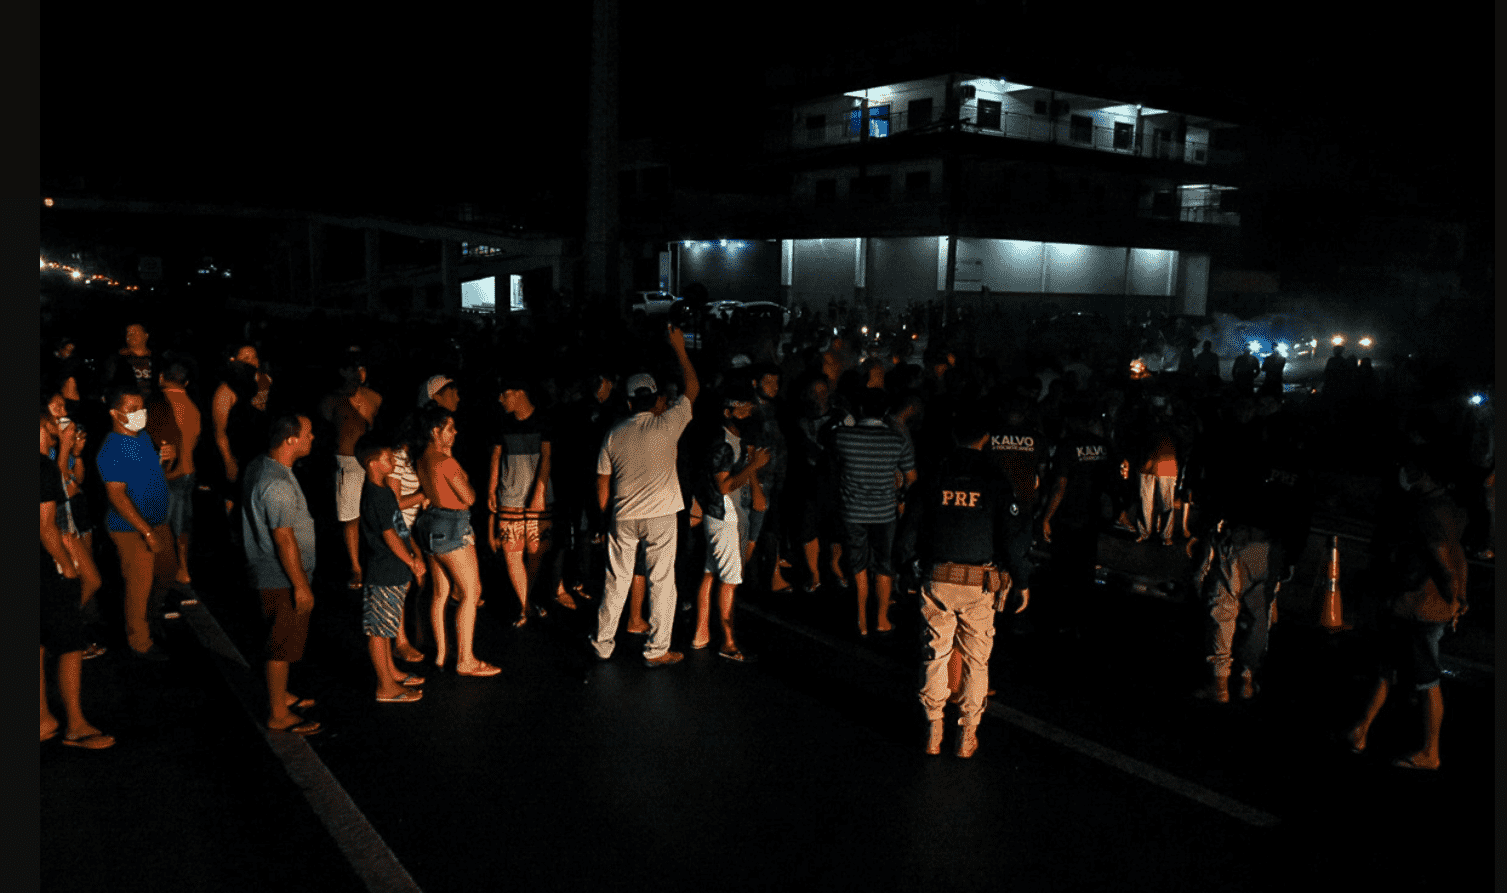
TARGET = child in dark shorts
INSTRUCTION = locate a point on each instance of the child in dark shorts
(392, 564)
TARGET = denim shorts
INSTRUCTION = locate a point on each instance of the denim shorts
(1411, 651)
(438, 530)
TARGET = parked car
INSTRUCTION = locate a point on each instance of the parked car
(722, 310)
(759, 311)
(652, 303)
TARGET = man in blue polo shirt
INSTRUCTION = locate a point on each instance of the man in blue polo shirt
(137, 518)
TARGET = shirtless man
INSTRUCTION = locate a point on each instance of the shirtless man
(181, 427)
(352, 410)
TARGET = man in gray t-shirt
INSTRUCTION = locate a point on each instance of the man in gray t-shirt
(274, 501)
(279, 537)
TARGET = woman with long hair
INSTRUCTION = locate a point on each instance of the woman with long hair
(444, 533)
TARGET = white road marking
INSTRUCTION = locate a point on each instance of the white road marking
(363, 847)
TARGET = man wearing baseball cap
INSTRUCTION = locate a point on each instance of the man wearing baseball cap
(636, 475)
(441, 390)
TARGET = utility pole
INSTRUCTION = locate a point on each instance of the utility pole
(602, 231)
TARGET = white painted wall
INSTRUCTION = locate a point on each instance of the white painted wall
(1012, 265)
(1152, 271)
(1193, 283)
(822, 270)
(996, 264)
(1085, 269)
(900, 270)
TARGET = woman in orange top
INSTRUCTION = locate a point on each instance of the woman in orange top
(444, 533)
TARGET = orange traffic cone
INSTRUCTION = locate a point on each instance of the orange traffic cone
(1331, 615)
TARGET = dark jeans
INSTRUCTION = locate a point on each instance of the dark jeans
(1072, 597)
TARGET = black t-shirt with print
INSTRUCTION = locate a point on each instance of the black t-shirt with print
(1084, 460)
(380, 513)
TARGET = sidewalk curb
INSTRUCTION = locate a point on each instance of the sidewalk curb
(365, 850)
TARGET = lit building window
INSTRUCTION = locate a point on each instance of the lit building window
(990, 114)
(515, 292)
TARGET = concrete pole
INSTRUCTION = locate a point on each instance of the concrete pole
(316, 261)
(449, 280)
(370, 295)
(602, 229)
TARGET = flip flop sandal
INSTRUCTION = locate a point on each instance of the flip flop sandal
(303, 729)
(407, 697)
(1404, 763)
(96, 741)
(411, 681)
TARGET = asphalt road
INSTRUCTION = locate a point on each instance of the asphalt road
(1096, 771)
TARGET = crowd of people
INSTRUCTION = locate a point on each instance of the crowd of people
(816, 463)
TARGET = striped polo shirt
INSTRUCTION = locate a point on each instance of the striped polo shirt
(868, 455)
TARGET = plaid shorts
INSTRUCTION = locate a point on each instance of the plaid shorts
(522, 530)
(382, 610)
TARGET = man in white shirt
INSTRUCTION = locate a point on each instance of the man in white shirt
(636, 474)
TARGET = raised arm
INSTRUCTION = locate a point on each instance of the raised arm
(687, 370)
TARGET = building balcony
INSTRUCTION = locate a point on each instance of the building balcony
(1000, 108)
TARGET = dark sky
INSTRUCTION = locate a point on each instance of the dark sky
(381, 108)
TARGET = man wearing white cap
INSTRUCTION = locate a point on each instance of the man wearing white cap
(637, 464)
(441, 390)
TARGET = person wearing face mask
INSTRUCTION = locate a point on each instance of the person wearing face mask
(729, 468)
(131, 468)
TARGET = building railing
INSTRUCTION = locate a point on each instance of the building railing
(1207, 214)
(1151, 142)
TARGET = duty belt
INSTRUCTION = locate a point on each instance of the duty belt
(959, 574)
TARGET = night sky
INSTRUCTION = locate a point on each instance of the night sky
(377, 111)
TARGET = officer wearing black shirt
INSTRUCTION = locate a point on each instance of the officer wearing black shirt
(1084, 468)
(961, 533)
(1019, 451)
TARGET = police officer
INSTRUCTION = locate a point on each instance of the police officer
(1083, 471)
(960, 534)
(1018, 449)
